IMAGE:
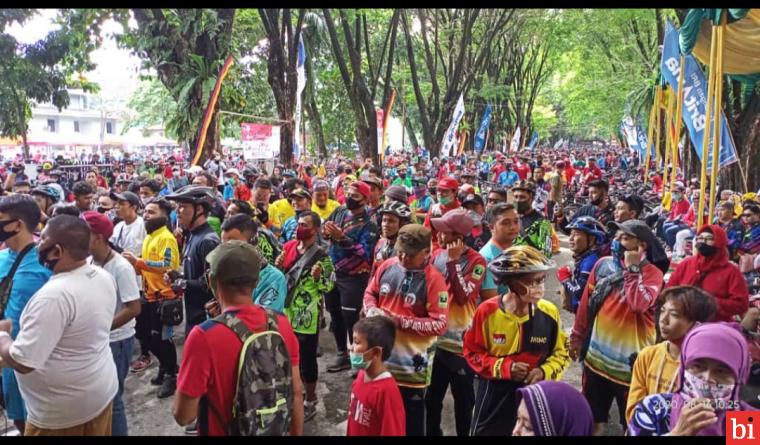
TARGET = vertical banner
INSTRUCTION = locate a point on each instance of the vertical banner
(209, 114)
(533, 140)
(480, 136)
(514, 146)
(301, 70)
(694, 100)
(448, 138)
(379, 121)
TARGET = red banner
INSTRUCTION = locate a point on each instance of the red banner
(255, 132)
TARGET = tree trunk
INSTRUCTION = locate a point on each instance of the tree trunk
(315, 120)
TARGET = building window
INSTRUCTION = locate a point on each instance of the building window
(51, 125)
(109, 127)
(76, 126)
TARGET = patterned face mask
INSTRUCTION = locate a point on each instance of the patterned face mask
(695, 387)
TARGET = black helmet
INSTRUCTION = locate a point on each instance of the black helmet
(397, 208)
(195, 194)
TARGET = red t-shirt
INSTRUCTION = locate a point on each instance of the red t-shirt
(209, 364)
(523, 170)
(376, 408)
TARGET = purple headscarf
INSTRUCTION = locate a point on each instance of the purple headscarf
(557, 409)
(718, 341)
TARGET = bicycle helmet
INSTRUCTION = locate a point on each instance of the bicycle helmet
(195, 194)
(397, 208)
(519, 260)
(525, 185)
(47, 191)
(590, 226)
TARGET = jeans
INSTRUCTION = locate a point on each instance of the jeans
(122, 354)
(414, 406)
(449, 368)
(670, 229)
(142, 328)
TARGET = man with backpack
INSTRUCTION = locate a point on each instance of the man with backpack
(209, 386)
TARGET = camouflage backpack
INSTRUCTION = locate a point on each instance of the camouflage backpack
(264, 391)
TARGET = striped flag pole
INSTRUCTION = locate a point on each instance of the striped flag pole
(210, 109)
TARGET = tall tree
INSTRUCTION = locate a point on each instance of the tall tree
(39, 72)
(456, 43)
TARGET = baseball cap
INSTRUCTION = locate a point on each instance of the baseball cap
(473, 199)
(636, 228)
(412, 238)
(457, 220)
(232, 171)
(361, 187)
(320, 185)
(448, 183)
(126, 196)
(233, 260)
(301, 193)
(99, 223)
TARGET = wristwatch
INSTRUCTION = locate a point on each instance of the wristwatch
(634, 268)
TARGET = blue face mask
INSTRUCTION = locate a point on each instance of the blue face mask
(616, 249)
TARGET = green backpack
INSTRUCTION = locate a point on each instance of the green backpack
(264, 393)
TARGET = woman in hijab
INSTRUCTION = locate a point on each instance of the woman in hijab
(550, 408)
(712, 271)
(714, 366)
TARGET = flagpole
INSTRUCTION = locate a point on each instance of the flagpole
(485, 144)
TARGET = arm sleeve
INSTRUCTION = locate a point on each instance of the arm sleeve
(580, 327)
(126, 284)
(170, 258)
(476, 351)
(641, 289)
(638, 389)
(737, 302)
(50, 316)
(391, 408)
(559, 360)
(206, 246)
(437, 307)
(362, 247)
(574, 286)
(195, 369)
(465, 286)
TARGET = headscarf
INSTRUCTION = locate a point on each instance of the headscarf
(718, 341)
(556, 409)
(717, 260)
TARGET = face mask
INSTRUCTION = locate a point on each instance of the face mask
(303, 233)
(154, 224)
(476, 218)
(358, 361)
(616, 249)
(677, 196)
(42, 258)
(597, 201)
(706, 250)
(101, 209)
(231, 182)
(353, 204)
(402, 175)
(6, 235)
(433, 191)
(536, 292)
(445, 200)
(695, 387)
(523, 206)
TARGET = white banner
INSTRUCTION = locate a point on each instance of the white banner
(263, 148)
(515, 140)
(448, 138)
(301, 84)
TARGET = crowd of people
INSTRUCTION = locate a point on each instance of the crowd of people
(433, 273)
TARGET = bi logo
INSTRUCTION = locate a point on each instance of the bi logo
(740, 427)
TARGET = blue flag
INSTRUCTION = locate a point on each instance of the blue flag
(480, 136)
(694, 100)
(533, 140)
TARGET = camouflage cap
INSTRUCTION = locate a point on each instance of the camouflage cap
(412, 238)
(234, 260)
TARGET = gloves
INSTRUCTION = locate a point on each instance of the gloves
(564, 274)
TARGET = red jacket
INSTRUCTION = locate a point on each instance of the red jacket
(717, 276)
(681, 210)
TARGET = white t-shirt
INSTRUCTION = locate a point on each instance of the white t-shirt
(130, 237)
(64, 337)
(126, 290)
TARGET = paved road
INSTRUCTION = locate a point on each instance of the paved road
(150, 416)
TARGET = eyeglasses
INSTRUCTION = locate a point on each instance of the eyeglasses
(536, 282)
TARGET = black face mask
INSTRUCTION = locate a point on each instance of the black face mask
(6, 235)
(154, 224)
(598, 201)
(102, 209)
(42, 257)
(706, 249)
(353, 204)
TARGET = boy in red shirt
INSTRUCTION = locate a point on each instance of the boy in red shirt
(376, 408)
(207, 379)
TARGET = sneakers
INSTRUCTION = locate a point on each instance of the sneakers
(341, 363)
(309, 410)
(158, 380)
(168, 387)
(192, 429)
(141, 364)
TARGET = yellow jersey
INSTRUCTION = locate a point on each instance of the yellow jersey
(160, 254)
